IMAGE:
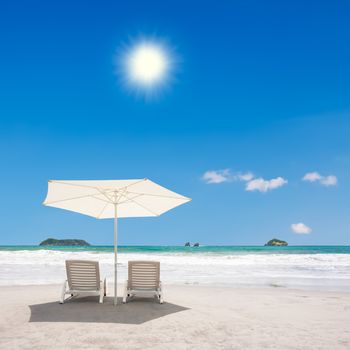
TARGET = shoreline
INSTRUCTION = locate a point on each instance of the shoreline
(311, 289)
(328, 271)
(209, 286)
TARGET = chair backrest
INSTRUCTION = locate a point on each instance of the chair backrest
(143, 275)
(83, 275)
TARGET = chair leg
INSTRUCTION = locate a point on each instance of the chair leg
(102, 292)
(161, 294)
(63, 292)
(105, 287)
(125, 292)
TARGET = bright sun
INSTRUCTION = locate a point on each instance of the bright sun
(147, 64)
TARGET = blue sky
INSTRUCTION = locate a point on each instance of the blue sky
(260, 87)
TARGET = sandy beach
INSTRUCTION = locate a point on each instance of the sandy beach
(193, 317)
(197, 152)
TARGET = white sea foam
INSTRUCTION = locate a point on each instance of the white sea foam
(318, 271)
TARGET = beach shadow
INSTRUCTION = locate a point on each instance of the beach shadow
(87, 309)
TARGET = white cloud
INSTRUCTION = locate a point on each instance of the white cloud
(262, 185)
(312, 177)
(330, 180)
(217, 176)
(225, 175)
(252, 184)
(301, 229)
(246, 176)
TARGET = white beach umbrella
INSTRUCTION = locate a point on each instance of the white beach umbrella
(115, 199)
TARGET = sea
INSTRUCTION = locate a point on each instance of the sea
(293, 267)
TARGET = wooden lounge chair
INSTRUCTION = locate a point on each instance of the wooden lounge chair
(143, 279)
(83, 277)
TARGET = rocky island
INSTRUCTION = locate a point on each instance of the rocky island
(276, 242)
(64, 242)
(188, 244)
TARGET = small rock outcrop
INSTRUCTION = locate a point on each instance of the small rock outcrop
(187, 244)
(196, 245)
(276, 242)
(64, 242)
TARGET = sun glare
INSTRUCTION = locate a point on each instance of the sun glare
(147, 64)
(146, 67)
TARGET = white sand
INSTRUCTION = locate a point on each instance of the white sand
(194, 317)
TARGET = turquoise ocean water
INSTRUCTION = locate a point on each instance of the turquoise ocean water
(305, 267)
(194, 250)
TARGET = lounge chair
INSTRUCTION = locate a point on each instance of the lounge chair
(83, 277)
(143, 279)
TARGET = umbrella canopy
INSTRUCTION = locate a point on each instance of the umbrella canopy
(104, 199)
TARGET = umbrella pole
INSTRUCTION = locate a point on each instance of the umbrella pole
(115, 252)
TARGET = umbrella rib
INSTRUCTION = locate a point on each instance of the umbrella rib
(102, 200)
(117, 190)
(103, 209)
(89, 186)
(149, 210)
(129, 199)
(135, 183)
(127, 186)
(159, 195)
(70, 184)
(104, 194)
(89, 195)
(72, 198)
